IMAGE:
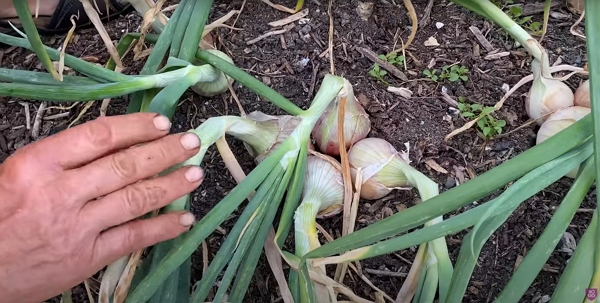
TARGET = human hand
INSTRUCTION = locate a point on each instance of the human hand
(69, 201)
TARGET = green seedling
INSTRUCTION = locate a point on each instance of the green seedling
(454, 73)
(488, 125)
(431, 74)
(392, 58)
(378, 73)
(515, 13)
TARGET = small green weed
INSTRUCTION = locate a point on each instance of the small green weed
(392, 58)
(488, 125)
(431, 74)
(378, 73)
(452, 73)
(515, 13)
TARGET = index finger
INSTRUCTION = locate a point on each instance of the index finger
(92, 140)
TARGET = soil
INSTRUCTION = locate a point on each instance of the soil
(422, 120)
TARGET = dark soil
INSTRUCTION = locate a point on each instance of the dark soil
(422, 120)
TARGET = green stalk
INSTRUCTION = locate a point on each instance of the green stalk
(194, 30)
(293, 196)
(244, 242)
(24, 14)
(122, 47)
(464, 194)
(182, 24)
(250, 82)
(40, 78)
(246, 270)
(228, 247)
(240, 76)
(206, 225)
(537, 256)
(74, 93)
(163, 41)
(487, 225)
(491, 12)
(84, 67)
(592, 8)
(579, 271)
(156, 57)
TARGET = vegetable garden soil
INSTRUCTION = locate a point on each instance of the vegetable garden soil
(294, 64)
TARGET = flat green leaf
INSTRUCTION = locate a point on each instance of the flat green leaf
(516, 10)
(468, 114)
(464, 78)
(453, 77)
(476, 106)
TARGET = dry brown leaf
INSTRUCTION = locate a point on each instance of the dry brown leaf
(435, 166)
(61, 61)
(95, 18)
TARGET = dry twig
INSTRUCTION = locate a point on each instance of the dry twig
(385, 65)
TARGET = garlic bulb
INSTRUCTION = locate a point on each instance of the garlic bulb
(582, 94)
(560, 120)
(381, 165)
(356, 123)
(263, 133)
(219, 86)
(546, 94)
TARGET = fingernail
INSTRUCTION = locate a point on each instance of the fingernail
(190, 141)
(187, 219)
(162, 123)
(194, 174)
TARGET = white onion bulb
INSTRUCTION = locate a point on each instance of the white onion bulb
(558, 121)
(219, 86)
(546, 94)
(582, 94)
(356, 123)
(382, 168)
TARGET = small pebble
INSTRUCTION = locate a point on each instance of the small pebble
(450, 182)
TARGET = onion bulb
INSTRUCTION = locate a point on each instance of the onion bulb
(323, 193)
(546, 94)
(383, 168)
(356, 123)
(558, 121)
(262, 133)
(219, 86)
(582, 94)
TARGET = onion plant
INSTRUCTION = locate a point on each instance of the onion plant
(277, 182)
(576, 145)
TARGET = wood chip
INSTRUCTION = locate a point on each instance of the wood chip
(482, 40)
(432, 41)
(496, 56)
(293, 18)
(400, 91)
(388, 67)
(433, 165)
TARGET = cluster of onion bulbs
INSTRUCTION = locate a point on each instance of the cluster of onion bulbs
(566, 107)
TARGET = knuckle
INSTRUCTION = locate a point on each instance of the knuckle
(100, 132)
(131, 237)
(123, 164)
(134, 200)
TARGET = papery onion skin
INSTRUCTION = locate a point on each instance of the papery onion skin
(324, 181)
(357, 124)
(582, 94)
(546, 94)
(558, 121)
(219, 86)
(380, 164)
